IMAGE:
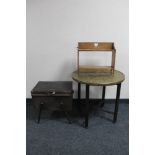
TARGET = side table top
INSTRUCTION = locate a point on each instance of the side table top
(46, 87)
(98, 79)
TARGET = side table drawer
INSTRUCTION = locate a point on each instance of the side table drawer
(53, 102)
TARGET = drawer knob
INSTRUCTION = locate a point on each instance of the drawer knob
(61, 103)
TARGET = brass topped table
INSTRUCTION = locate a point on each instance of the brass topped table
(98, 79)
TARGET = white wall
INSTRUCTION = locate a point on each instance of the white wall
(55, 26)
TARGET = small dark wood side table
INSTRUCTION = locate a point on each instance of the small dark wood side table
(53, 95)
(97, 79)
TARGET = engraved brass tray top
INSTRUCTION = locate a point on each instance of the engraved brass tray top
(98, 77)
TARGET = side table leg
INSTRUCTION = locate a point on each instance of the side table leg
(117, 102)
(103, 96)
(39, 112)
(87, 106)
(68, 117)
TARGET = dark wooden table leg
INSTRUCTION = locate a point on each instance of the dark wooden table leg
(68, 117)
(87, 106)
(79, 98)
(39, 112)
(117, 102)
(103, 96)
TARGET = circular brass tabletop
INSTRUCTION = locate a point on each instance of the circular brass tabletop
(99, 79)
